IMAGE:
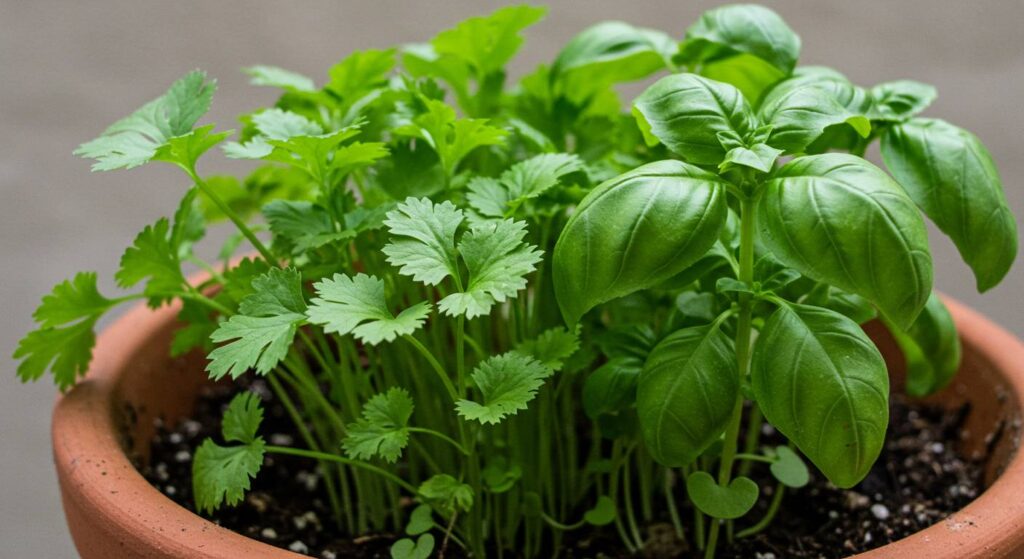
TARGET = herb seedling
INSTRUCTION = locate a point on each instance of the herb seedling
(531, 311)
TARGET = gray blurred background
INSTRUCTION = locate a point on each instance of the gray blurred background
(70, 68)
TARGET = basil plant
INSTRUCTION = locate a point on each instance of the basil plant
(499, 313)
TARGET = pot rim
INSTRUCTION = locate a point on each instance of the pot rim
(135, 510)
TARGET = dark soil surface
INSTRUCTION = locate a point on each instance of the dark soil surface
(919, 480)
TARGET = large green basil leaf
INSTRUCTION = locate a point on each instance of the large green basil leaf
(686, 112)
(612, 52)
(855, 99)
(952, 178)
(931, 348)
(838, 219)
(746, 45)
(686, 394)
(800, 115)
(636, 231)
(822, 383)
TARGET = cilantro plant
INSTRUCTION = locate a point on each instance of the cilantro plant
(529, 311)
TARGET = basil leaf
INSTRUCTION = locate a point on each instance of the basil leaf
(686, 113)
(951, 176)
(931, 348)
(612, 387)
(749, 43)
(902, 99)
(822, 383)
(838, 219)
(636, 231)
(613, 52)
(686, 393)
(800, 115)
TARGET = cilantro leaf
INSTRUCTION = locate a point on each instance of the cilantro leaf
(64, 340)
(221, 474)
(487, 43)
(186, 149)
(72, 300)
(360, 74)
(134, 140)
(452, 139)
(323, 156)
(261, 334)
(197, 327)
(271, 124)
(524, 180)
(242, 418)
(447, 494)
(272, 76)
(152, 257)
(358, 305)
(552, 347)
(507, 382)
(65, 351)
(425, 243)
(302, 226)
(383, 429)
(498, 261)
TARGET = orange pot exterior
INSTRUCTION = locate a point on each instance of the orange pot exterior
(113, 512)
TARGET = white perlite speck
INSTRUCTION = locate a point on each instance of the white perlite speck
(880, 511)
(298, 547)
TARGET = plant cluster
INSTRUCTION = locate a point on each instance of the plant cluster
(530, 310)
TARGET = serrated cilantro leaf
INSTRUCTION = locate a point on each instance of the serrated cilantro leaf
(133, 140)
(271, 124)
(360, 74)
(423, 239)
(383, 429)
(189, 224)
(447, 494)
(65, 351)
(197, 327)
(301, 226)
(487, 43)
(498, 261)
(523, 181)
(64, 340)
(152, 257)
(272, 76)
(222, 474)
(261, 334)
(242, 418)
(323, 156)
(358, 305)
(552, 347)
(507, 382)
(72, 300)
(452, 139)
(186, 149)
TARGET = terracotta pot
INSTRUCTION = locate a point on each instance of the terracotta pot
(112, 510)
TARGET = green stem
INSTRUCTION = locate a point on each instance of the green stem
(743, 333)
(773, 508)
(753, 457)
(441, 436)
(673, 510)
(342, 460)
(441, 373)
(198, 297)
(239, 223)
(559, 526)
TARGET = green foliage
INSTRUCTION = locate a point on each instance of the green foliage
(686, 393)
(822, 383)
(221, 474)
(507, 383)
(357, 306)
(671, 264)
(383, 429)
(135, 139)
(261, 333)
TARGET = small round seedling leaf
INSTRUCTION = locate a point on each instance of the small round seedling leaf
(732, 501)
(405, 548)
(603, 513)
(532, 506)
(789, 468)
(420, 521)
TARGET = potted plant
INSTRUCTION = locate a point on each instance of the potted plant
(520, 321)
